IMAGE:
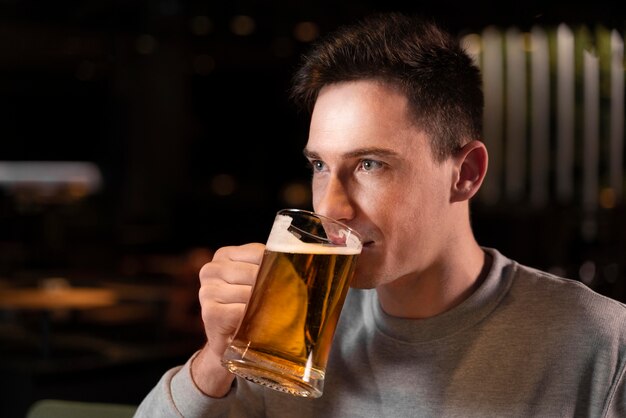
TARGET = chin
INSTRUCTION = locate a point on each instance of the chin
(367, 274)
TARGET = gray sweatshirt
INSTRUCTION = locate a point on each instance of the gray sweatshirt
(524, 344)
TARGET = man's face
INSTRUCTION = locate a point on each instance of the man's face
(373, 169)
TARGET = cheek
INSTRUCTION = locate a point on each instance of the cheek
(317, 192)
(416, 207)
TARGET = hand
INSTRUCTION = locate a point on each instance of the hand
(225, 287)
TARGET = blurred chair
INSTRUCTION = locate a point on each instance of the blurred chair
(53, 408)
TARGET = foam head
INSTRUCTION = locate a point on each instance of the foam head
(281, 239)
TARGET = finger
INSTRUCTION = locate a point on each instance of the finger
(247, 253)
(223, 293)
(229, 272)
(237, 265)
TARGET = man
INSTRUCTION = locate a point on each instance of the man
(435, 325)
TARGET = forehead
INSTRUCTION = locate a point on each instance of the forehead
(362, 114)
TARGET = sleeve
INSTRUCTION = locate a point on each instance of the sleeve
(616, 406)
(176, 395)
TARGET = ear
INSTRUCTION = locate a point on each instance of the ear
(470, 167)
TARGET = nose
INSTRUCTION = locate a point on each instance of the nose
(333, 200)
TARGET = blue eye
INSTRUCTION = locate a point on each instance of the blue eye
(317, 165)
(370, 165)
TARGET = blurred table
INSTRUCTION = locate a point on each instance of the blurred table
(47, 301)
(56, 299)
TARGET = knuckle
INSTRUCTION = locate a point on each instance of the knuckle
(208, 270)
(222, 253)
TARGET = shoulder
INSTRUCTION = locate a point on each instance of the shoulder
(568, 303)
(554, 304)
(534, 286)
(563, 289)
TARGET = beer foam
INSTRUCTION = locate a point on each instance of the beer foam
(282, 240)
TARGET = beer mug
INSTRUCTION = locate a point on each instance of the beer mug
(284, 338)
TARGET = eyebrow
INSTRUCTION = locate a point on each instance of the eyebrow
(361, 152)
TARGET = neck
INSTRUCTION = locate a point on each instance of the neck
(449, 280)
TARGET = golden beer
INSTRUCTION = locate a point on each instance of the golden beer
(285, 335)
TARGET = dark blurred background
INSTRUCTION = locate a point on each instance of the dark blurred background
(178, 112)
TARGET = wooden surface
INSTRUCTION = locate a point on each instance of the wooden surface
(56, 299)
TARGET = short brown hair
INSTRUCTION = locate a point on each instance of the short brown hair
(411, 53)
